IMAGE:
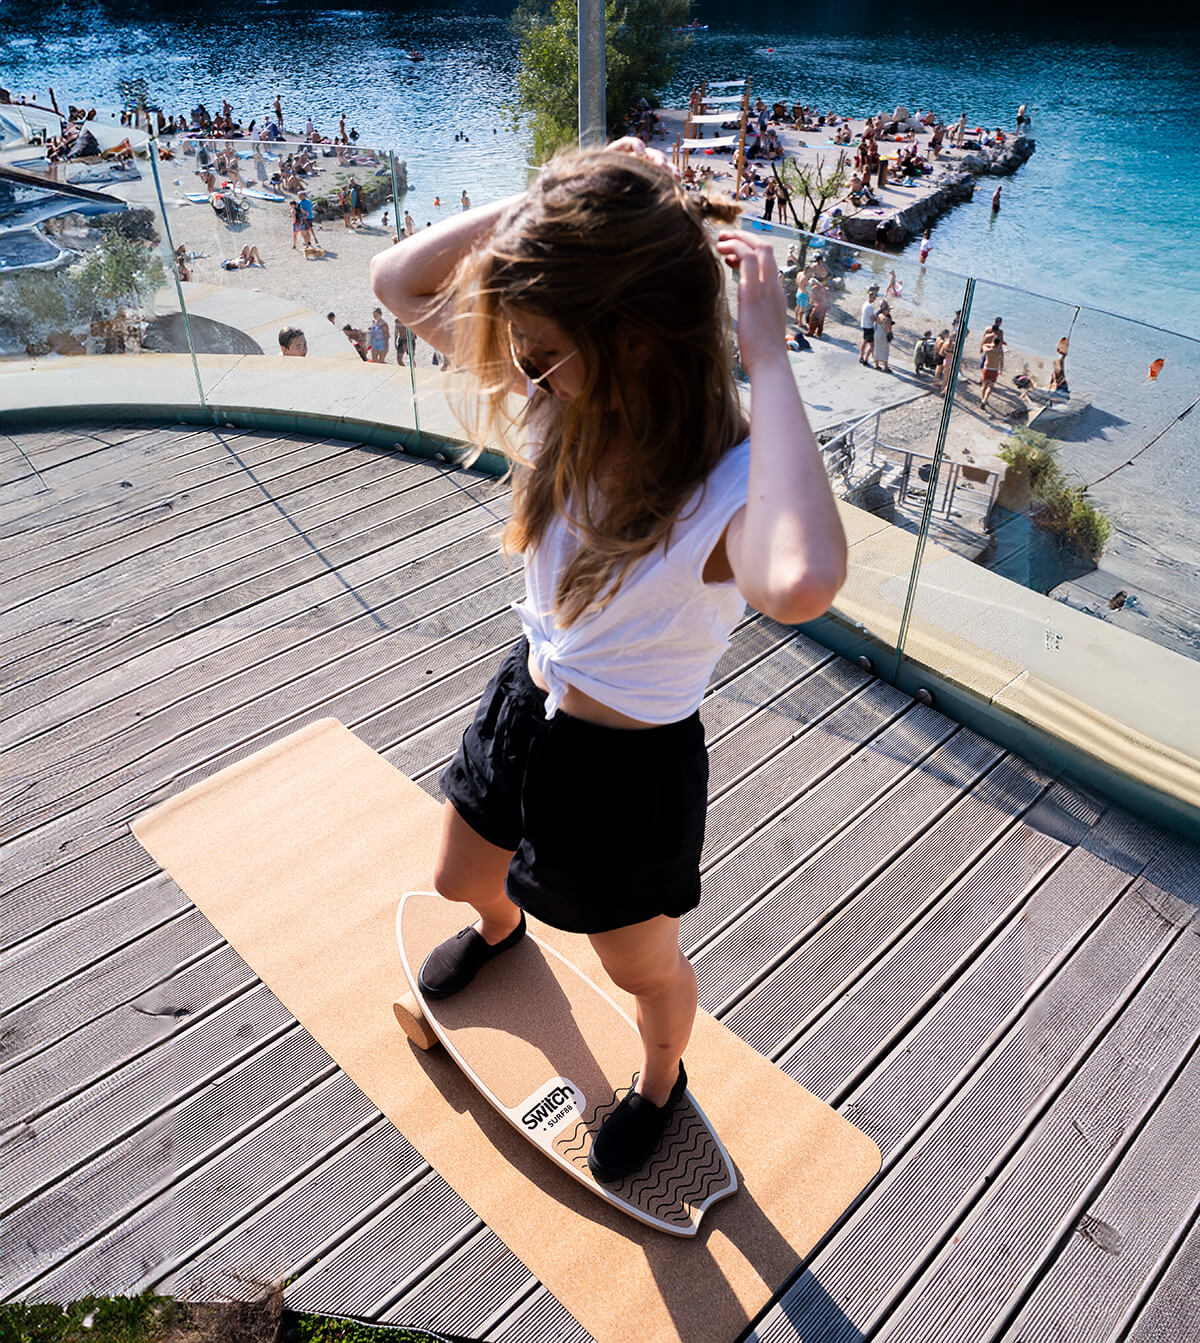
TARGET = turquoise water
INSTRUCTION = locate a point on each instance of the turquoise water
(1100, 215)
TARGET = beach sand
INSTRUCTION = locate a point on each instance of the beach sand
(337, 282)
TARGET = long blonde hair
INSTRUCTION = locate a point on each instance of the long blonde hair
(612, 249)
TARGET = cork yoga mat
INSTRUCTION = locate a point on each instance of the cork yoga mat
(299, 855)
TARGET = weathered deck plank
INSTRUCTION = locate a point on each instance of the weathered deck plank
(939, 1157)
(973, 961)
(951, 987)
(1172, 1311)
(1114, 1247)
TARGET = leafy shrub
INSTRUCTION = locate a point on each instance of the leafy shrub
(1065, 511)
(120, 271)
(135, 224)
(119, 274)
(112, 1319)
(1057, 507)
(1034, 454)
(156, 1319)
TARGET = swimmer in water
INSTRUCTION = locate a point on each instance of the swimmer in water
(996, 200)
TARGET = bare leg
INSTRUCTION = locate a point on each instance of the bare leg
(645, 960)
(472, 870)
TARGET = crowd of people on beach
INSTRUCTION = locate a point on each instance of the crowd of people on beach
(224, 126)
(877, 324)
(808, 288)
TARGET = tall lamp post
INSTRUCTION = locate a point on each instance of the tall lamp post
(593, 129)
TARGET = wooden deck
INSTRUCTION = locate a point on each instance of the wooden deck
(994, 974)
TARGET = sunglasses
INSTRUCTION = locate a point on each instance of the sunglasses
(530, 368)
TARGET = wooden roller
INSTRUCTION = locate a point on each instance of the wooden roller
(412, 1022)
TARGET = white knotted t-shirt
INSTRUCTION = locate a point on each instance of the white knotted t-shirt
(649, 652)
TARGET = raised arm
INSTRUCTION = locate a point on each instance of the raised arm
(408, 277)
(786, 548)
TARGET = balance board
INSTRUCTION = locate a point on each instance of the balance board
(554, 1054)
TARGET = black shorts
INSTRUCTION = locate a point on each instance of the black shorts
(606, 824)
(868, 333)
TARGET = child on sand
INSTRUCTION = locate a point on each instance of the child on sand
(647, 512)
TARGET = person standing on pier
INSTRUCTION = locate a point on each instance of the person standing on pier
(881, 341)
(818, 305)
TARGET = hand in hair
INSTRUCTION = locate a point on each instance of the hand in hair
(786, 549)
(630, 144)
(762, 309)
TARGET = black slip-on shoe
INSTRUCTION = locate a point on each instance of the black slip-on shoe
(630, 1135)
(452, 965)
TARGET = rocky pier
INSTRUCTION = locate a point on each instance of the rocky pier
(900, 212)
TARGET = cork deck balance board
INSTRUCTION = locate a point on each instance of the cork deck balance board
(299, 855)
(554, 1054)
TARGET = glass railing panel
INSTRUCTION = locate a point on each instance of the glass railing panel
(877, 420)
(85, 261)
(273, 245)
(403, 226)
(1061, 576)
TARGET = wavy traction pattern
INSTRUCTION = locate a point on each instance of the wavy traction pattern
(677, 1185)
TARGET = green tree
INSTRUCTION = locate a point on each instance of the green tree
(642, 41)
(811, 186)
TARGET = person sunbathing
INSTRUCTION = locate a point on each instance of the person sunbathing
(247, 257)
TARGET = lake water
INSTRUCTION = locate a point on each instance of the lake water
(1099, 216)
